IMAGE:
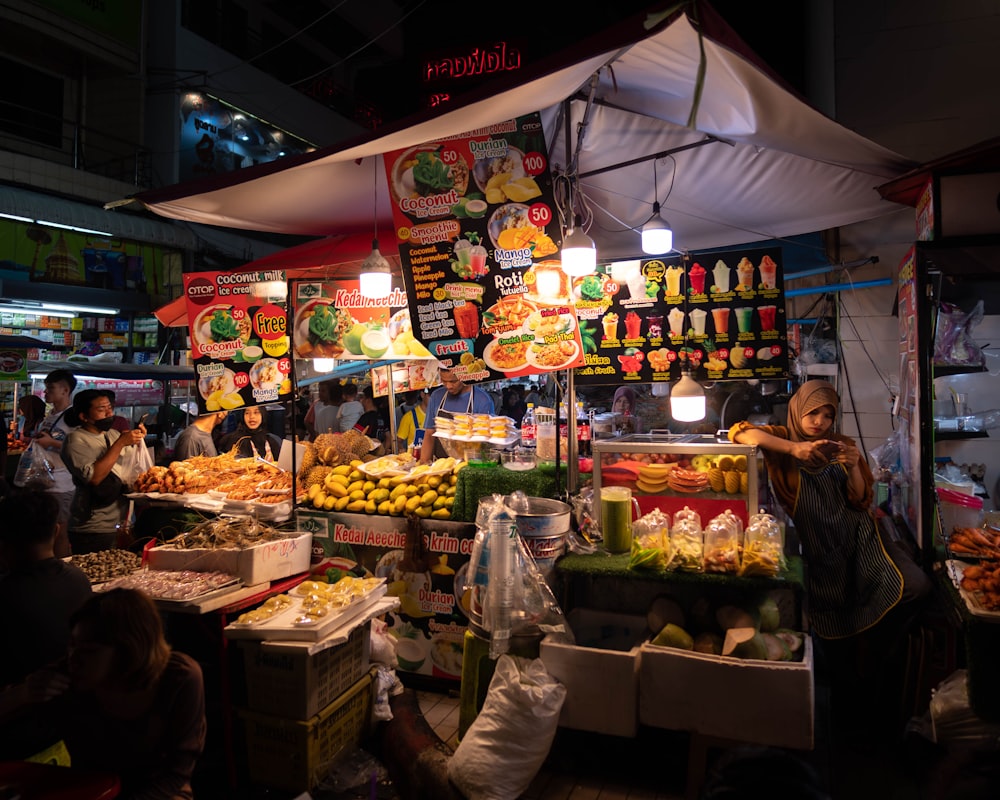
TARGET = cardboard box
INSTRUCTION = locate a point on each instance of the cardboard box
(297, 684)
(600, 672)
(295, 755)
(260, 563)
(765, 702)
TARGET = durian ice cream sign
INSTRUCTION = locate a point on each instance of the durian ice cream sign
(239, 339)
(333, 320)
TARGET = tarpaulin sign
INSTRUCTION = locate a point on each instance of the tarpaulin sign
(239, 337)
(476, 225)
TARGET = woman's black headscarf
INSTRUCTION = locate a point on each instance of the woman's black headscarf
(244, 436)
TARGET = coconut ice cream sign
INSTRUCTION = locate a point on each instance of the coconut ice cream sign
(333, 320)
(238, 323)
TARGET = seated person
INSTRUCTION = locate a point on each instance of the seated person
(123, 702)
(44, 589)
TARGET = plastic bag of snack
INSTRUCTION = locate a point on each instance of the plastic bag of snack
(722, 543)
(651, 541)
(763, 547)
(687, 546)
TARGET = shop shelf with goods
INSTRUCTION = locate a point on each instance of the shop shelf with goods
(945, 410)
(948, 313)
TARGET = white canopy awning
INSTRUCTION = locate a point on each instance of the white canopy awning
(757, 163)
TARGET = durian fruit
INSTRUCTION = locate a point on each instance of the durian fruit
(309, 459)
(357, 444)
(316, 475)
(325, 445)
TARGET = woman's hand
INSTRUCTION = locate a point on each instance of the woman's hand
(816, 453)
(849, 455)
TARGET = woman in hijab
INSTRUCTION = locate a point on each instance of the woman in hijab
(824, 484)
(251, 437)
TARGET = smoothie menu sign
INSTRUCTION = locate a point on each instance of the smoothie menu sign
(239, 337)
(475, 220)
(722, 314)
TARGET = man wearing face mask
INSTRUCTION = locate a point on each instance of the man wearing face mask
(92, 452)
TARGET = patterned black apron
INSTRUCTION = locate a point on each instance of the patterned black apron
(852, 582)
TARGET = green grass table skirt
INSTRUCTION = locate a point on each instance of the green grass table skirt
(476, 482)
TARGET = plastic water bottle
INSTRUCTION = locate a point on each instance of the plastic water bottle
(529, 431)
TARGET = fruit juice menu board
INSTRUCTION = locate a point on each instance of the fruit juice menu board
(722, 314)
(332, 319)
(476, 224)
(239, 338)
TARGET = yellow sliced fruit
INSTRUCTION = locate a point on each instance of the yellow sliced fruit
(650, 488)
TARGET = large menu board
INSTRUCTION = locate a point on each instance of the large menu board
(239, 337)
(476, 224)
(721, 314)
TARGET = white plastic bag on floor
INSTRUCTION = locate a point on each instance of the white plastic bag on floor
(507, 744)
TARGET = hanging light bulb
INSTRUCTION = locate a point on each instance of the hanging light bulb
(687, 399)
(657, 236)
(579, 253)
(376, 275)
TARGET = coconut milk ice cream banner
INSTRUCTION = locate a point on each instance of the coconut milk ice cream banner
(476, 224)
(722, 314)
(239, 337)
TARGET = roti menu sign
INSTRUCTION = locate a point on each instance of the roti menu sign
(476, 225)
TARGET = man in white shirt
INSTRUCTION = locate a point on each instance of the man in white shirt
(59, 386)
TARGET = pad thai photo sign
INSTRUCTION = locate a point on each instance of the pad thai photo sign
(239, 338)
(476, 223)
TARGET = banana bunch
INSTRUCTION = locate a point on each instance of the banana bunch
(729, 475)
(347, 488)
(653, 478)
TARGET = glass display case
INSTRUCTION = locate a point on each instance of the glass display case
(706, 473)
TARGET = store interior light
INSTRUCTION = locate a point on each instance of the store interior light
(323, 364)
(376, 275)
(579, 253)
(105, 310)
(37, 310)
(657, 235)
(687, 399)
